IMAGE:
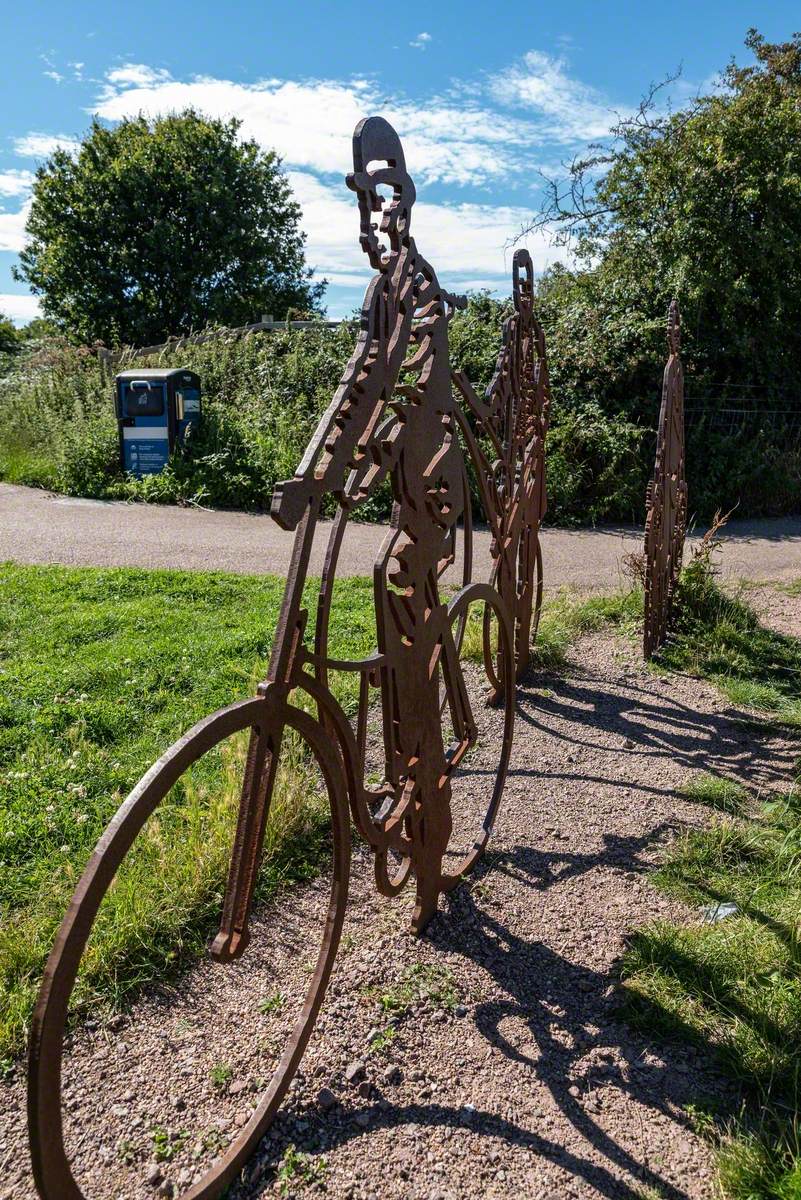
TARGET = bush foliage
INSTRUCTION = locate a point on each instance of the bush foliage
(264, 393)
(157, 227)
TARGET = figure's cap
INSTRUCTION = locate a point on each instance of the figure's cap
(378, 159)
(522, 288)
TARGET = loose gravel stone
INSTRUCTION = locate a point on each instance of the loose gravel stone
(354, 1072)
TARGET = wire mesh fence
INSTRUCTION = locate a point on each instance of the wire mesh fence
(746, 410)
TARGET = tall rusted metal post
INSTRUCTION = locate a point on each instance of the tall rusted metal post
(666, 499)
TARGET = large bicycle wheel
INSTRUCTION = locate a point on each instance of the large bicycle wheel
(270, 717)
(479, 708)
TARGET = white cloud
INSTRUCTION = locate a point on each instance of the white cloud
(466, 243)
(19, 306)
(54, 75)
(458, 138)
(567, 109)
(42, 145)
(311, 123)
(133, 75)
(12, 228)
(421, 41)
(15, 182)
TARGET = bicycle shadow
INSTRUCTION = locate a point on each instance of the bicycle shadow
(567, 1020)
(561, 707)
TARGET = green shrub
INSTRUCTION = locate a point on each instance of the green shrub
(263, 395)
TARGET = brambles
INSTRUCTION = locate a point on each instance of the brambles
(263, 395)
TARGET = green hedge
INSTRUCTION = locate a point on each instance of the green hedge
(264, 393)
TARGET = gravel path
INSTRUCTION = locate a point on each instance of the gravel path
(777, 608)
(37, 527)
(497, 1064)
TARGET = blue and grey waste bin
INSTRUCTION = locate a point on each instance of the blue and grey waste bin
(155, 410)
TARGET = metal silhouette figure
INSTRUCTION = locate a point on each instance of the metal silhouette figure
(393, 418)
(666, 499)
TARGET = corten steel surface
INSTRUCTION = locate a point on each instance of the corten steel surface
(393, 418)
(666, 500)
(513, 417)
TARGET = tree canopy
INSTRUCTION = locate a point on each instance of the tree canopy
(158, 227)
(9, 336)
(704, 204)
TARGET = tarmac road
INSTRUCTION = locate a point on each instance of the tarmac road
(38, 527)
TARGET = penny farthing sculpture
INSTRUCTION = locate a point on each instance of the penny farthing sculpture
(393, 417)
(512, 421)
(666, 500)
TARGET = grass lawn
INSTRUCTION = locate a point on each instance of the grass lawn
(736, 984)
(101, 670)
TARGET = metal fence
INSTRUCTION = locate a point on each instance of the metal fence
(732, 412)
(112, 358)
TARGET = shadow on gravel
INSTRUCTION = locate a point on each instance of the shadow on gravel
(573, 1044)
(558, 1020)
(719, 744)
(569, 1013)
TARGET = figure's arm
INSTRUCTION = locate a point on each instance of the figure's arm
(355, 409)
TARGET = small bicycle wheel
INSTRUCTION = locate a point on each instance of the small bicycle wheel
(270, 715)
(479, 696)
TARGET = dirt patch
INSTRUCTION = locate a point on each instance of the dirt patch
(485, 1059)
(777, 608)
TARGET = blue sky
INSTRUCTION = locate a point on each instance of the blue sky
(484, 95)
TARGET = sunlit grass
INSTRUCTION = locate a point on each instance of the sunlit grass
(101, 670)
(726, 795)
(720, 637)
(566, 616)
(735, 985)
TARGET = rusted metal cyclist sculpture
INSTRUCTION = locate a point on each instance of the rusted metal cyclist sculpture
(394, 417)
(666, 500)
(513, 417)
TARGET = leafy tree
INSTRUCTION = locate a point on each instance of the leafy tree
(159, 227)
(9, 336)
(703, 204)
(37, 329)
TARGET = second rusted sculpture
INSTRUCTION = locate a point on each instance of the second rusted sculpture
(666, 500)
(395, 418)
(513, 417)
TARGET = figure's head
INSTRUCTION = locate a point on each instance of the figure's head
(522, 279)
(378, 161)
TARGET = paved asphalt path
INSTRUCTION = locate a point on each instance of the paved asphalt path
(37, 527)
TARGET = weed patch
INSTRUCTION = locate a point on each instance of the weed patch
(299, 1168)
